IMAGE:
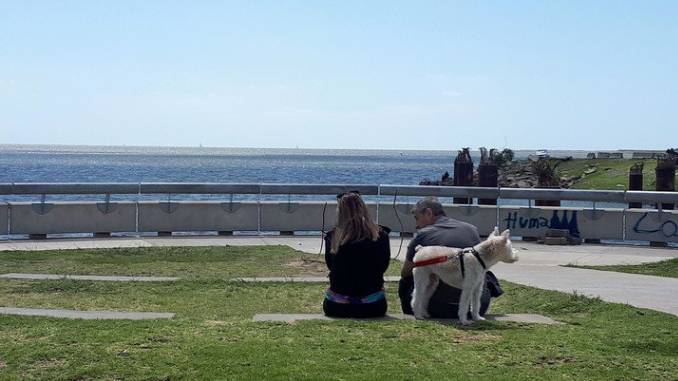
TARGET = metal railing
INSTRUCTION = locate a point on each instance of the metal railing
(648, 197)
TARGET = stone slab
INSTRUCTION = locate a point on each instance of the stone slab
(86, 315)
(302, 279)
(111, 278)
(292, 318)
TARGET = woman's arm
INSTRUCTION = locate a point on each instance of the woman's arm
(329, 257)
(385, 249)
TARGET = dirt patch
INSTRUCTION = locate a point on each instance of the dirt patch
(212, 323)
(50, 363)
(474, 338)
(553, 360)
(456, 337)
(308, 267)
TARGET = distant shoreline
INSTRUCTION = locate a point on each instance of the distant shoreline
(160, 150)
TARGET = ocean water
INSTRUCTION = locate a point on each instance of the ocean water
(230, 165)
(40, 163)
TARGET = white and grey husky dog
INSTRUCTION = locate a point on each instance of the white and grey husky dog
(496, 248)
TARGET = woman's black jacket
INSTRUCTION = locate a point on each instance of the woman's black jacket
(357, 269)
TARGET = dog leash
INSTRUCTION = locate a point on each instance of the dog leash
(322, 230)
(402, 237)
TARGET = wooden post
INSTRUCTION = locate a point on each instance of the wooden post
(488, 174)
(636, 182)
(463, 173)
(666, 178)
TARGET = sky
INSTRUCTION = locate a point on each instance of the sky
(341, 74)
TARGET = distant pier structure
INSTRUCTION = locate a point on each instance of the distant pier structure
(626, 154)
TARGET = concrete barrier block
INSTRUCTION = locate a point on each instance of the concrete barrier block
(301, 215)
(655, 226)
(580, 222)
(197, 216)
(4, 211)
(387, 217)
(483, 217)
(72, 217)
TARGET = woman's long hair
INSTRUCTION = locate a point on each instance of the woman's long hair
(353, 222)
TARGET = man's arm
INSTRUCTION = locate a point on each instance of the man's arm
(408, 265)
(406, 271)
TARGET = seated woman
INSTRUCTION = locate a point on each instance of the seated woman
(357, 253)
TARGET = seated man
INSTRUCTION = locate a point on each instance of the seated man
(434, 228)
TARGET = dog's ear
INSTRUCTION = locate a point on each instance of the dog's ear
(505, 234)
(495, 232)
(417, 248)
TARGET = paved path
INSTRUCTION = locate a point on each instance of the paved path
(539, 265)
(87, 315)
(292, 318)
(657, 293)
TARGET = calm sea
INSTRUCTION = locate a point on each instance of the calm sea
(40, 163)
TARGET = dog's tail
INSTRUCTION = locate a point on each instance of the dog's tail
(417, 248)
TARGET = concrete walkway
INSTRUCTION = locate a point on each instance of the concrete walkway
(86, 315)
(539, 265)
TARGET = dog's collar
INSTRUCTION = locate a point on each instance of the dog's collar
(476, 254)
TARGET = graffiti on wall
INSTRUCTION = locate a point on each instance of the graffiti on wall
(514, 220)
(668, 228)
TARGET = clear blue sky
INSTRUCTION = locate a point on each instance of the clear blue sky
(340, 74)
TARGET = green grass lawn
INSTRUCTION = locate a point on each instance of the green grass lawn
(609, 174)
(195, 263)
(668, 268)
(213, 337)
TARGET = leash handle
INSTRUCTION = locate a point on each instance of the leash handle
(402, 228)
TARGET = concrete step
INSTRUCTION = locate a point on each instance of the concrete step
(292, 318)
(111, 278)
(299, 279)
